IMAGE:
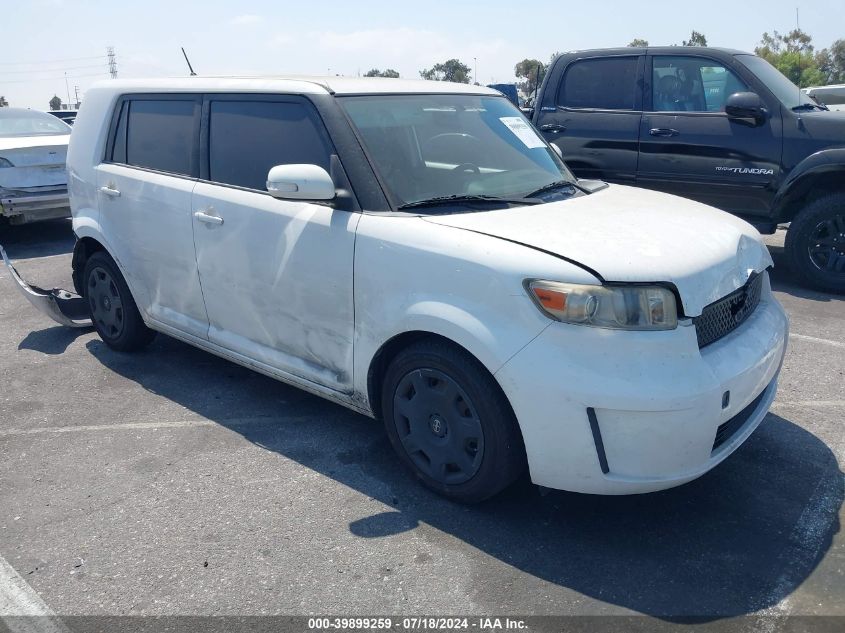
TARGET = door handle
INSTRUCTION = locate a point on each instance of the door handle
(663, 131)
(110, 192)
(208, 219)
(554, 128)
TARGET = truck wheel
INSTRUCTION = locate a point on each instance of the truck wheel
(113, 310)
(815, 243)
(450, 423)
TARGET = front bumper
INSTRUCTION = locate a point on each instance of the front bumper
(64, 307)
(612, 412)
(22, 208)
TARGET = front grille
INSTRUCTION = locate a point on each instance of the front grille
(729, 312)
(726, 431)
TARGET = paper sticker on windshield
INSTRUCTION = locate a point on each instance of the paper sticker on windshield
(523, 131)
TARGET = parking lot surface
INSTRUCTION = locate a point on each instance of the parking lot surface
(174, 482)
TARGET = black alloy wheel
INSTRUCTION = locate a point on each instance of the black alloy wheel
(815, 243)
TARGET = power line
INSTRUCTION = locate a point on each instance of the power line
(51, 70)
(25, 81)
(53, 61)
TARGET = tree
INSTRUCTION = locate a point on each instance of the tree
(450, 70)
(3, 102)
(792, 54)
(831, 62)
(638, 43)
(388, 72)
(55, 103)
(532, 72)
(696, 39)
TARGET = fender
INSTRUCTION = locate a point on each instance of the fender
(827, 164)
(490, 345)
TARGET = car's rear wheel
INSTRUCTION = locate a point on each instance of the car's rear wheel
(113, 310)
(815, 244)
(450, 423)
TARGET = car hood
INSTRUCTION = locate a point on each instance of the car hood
(626, 234)
(826, 127)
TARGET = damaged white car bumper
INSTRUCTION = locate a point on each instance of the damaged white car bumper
(63, 306)
(22, 207)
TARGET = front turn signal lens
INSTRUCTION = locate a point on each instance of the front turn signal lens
(622, 307)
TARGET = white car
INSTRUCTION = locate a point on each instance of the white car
(831, 96)
(416, 252)
(33, 179)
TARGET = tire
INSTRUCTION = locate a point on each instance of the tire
(113, 310)
(450, 423)
(815, 244)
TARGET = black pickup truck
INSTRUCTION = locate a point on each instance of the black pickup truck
(719, 126)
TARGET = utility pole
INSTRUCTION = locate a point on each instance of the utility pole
(112, 62)
(67, 88)
(475, 72)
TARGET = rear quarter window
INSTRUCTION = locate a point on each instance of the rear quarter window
(158, 135)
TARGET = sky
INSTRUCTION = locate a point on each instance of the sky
(44, 40)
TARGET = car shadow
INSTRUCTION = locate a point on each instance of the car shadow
(784, 280)
(739, 539)
(39, 239)
(52, 340)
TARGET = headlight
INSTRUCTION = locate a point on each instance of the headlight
(5, 162)
(622, 307)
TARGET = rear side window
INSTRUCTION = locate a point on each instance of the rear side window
(247, 138)
(608, 83)
(159, 135)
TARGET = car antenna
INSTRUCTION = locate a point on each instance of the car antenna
(188, 61)
(537, 84)
(798, 28)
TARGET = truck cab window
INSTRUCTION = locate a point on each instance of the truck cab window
(608, 83)
(690, 84)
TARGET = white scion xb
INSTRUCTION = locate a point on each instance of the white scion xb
(415, 251)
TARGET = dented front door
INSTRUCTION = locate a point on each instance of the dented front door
(276, 276)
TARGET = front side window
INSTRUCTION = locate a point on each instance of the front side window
(160, 135)
(247, 138)
(430, 146)
(692, 84)
(608, 83)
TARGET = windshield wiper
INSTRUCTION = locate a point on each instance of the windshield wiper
(459, 199)
(809, 106)
(552, 185)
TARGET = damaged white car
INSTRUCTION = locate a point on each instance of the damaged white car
(417, 252)
(33, 177)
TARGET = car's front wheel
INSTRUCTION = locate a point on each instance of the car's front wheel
(113, 310)
(450, 423)
(815, 243)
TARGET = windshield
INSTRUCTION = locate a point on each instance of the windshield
(435, 146)
(786, 91)
(30, 123)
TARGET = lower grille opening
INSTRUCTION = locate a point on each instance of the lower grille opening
(728, 429)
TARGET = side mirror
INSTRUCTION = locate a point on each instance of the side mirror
(557, 150)
(300, 182)
(745, 105)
